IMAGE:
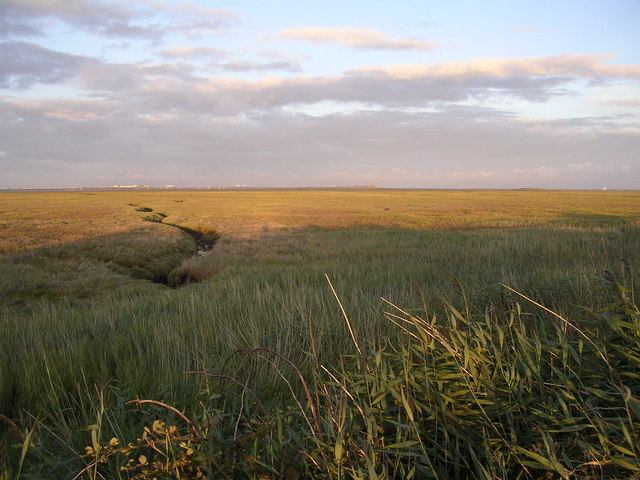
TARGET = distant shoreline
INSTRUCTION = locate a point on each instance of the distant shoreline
(331, 188)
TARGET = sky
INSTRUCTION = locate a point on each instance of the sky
(406, 94)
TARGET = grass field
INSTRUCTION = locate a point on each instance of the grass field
(89, 323)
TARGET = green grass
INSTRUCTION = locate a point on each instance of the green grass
(457, 394)
(83, 320)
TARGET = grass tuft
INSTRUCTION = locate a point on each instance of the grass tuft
(190, 271)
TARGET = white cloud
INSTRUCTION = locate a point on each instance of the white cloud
(624, 102)
(360, 38)
(571, 65)
(195, 21)
(183, 52)
(530, 78)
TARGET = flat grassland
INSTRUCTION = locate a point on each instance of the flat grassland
(88, 321)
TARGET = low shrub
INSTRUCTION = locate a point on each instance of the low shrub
(188, 272)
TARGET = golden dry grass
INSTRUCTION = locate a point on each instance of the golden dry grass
(35, 219)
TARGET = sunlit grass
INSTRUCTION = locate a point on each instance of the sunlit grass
(31, 220)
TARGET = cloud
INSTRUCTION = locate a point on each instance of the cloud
(359, 38)
(109, 19)
(214, 55)
(167, 84)
(626, 102)
(14, 22)
(247, 66)
(535, 79)
(145, 20)
(196, 21)
(250, 116)
(189, 53)
(460, 147)
(559, 65)
(564, 176)
(23, 64)
(588, 168)
(402, 125)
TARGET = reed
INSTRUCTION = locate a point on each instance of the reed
(457, 395)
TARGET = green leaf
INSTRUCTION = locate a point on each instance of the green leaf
(622, 449)
(549, 464)
(627, 462)
(634, 405)
(408, 443)
(338, 449)
(406, 406)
